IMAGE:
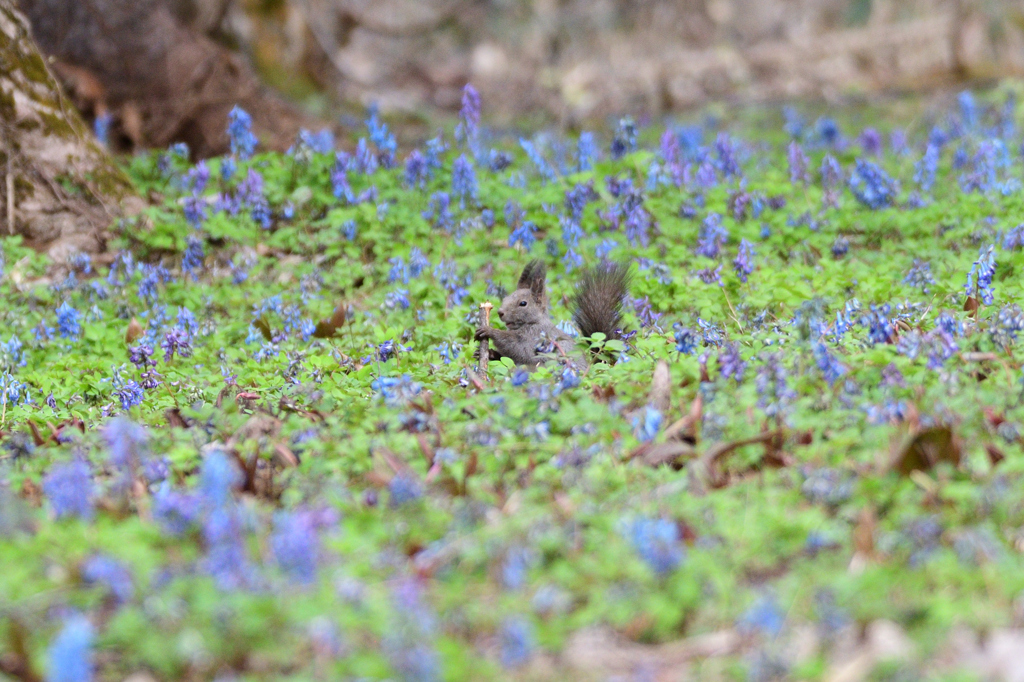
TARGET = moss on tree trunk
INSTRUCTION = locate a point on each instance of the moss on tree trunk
(66, 188)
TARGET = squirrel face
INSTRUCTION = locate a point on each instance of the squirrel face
(528, 303)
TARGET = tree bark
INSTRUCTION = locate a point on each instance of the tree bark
(162, 80)
(60, 188)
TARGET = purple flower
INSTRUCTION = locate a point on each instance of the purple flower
(469, 114)
(176, 512)
(881, 327)
(727, 151)
(537, 159)
(439, 211)
(840, 247)
(686, 342)
(830, 367)
(101, 128)
(773, 390)
(404, 488)
(979, 279)
(219, 476)
(69, 656)
(463, 180)
(243, 142)
(110, 573)
(624, 140)
(69, 488)
(920, 275)
(872, 186)
(638, 222)
(797, 164)
(743, 264)
(731, 363)
(415, 171)
(126, 442)
(711, 275)
(657, 542)
(871, 142)
(296, 545)
(516, 636)
(644, 312)
(176, 341)
(226, 557)
(712, 236)
(586, 152)
(192, 259)
(129, 393)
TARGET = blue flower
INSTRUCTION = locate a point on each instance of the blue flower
(176, 512)
(110, 573)
(872, 186)
(731, 363)
(686, 341)
(126, 442)
(243, 142)
(840, 247)
(647, 424)
(537, 159)
(979, 279)
(516, 636)
(925, 169)
(743, 264)
(69, 488)
(586, 152)
(101, 128)
(415, 170)
(469, 114)
(69, 656)
(439, 211)
(524, 234)
(404, 488)
(657, 542)
(712, 236)
(296, 545)
(763, 617)
(920, 275)
(68, 321)
(624, 140)
(797, 164)
(463, 180)
(192, 259)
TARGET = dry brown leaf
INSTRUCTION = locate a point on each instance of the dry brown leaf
(927, 448)
(329, 327)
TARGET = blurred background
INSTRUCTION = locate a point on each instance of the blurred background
(169, 70)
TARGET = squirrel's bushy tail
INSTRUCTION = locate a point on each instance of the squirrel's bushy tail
(597, 302)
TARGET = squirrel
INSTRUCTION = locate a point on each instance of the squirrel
(531, 338)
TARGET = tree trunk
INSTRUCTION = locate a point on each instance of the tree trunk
(60, 189)
(162, 81)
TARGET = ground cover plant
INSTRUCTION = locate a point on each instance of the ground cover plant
(254, 442)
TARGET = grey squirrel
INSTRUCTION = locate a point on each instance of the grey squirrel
(530, 337)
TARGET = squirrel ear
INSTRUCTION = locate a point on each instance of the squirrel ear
(535, 270)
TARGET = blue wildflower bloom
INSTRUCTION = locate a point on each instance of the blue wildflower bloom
(711, 275)
(110, 573)
(415, 170)
(398, 272)
(797, 164)
(192, 259)
(925, 169)
(871, 142)
(68, 321)
(773, 390)
(524, 234)
(638, 223)
(920, 275)
(69, 656)
(101, 128)
(979, 279)
(711, 333)
(968, 110)
(176, 512)
(881, 327)
(516, 636)
(731, 363)
(828, 133)
(1014, 239)
(469, 114)
(657, 542)
(296, 545)
(177, 341)
(982, 177)
(586, 152)
(383, 140)
(541, 164)
(686, 341)
(243, 142)
(69, 488)
(872, 186)
(742, 264)
(126, 442)
(624, 140)
(727, 151)
(463, 180)
(404, 488)
(794, 122)
(439, 211)
(712, 236)
(840, 247)
(831, 369)
(763, 617)
(647, 424)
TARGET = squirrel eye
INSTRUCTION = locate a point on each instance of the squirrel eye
(522, 303)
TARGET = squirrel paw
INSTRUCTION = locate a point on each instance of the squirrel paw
(484, 333)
